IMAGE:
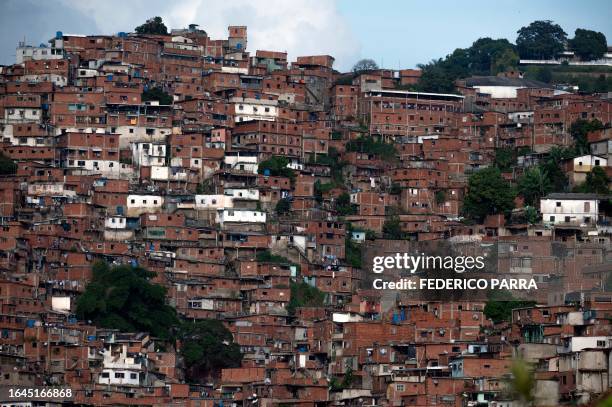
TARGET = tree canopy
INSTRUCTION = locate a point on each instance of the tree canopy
(588, 44)
(579, 131)
(392, 228)
(283, 206)
(276, 166)
(533, 185)
(540, 40)
(365, 64)
(122, 297)
(597, 182)
(343, 205)
(368, 144)
(485, 56)
(207, 347)
(304, 295)
(7, 166)
(157, 94)
(500, 305)
(488, 194)
(153, 25)
(486, 52)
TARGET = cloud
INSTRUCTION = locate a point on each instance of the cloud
(299, 27)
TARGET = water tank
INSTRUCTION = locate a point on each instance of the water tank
(59, 35)
(122, 34)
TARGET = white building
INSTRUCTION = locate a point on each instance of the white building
(247, 109)
(240, 216)
(22, 114)
(247, 163)
(203, 202)
(243, 193)
(136, 132)
(106, 167)
(31, 53)
(577, 168)
(115, 222)
(121, 369)
(148, 154)
(579, 343)
(56, 189)
(501, 87)
(168, 173)
(139, 204)
(575, 209)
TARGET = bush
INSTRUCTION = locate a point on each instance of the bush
(304, 295)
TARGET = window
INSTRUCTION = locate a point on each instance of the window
(399, 387)
(105, 375)
(558, 204)
(119, 375)
(133, 375)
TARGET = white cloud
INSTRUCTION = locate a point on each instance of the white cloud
(300, 27)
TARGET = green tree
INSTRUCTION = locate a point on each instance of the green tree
(368, 144)
(276, 166)
(436, 77)
(365, 64)
(543, 74)
(392, 228)
(531, 215)
(153, 25)
(283, 206)
(579, 131)
(349, 377)
(485, 51)
(157, 94)
(505, 158)
(508, 59)
(597, 182)
(207, 347)
(588, 44)
(7, 166)
(123, 298)
(500, 304)
(304, 295)
(540, 40)
(523, 381)
(440, 197)
(533, 185)
(352, 250)
(488, 193)
(343, 205)
(552, 168)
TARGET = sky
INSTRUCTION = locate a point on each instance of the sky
(396, 34)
